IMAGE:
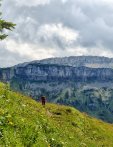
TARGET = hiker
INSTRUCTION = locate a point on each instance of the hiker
(43, 99)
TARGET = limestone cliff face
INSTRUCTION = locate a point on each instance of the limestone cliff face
(6, 74)
(45, 72)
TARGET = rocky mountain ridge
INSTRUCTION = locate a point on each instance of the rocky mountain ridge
(76, 61)
(52, 72)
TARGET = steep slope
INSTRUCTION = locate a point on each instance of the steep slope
(25, 123)
(54, 72)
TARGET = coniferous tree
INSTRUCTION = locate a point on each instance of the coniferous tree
(5, 25)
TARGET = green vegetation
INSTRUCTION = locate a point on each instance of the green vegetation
(25, 123)
(96, 102)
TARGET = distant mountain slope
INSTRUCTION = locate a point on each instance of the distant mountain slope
(67, 81)
(25, 123)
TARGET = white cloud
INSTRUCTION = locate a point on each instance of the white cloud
(82, 51)
(31, 3)
(58, 30)
(28, 50)
(64, 1)
(107, 1)
(96, 1)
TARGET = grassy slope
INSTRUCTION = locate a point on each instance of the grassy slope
(25, 123)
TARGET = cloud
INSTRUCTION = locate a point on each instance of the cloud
(31, 3)
(50, 34)
(30, 51)
(8, 58)
(49, 28)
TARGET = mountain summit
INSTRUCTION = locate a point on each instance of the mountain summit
(77, 61)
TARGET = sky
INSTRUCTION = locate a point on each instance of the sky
(56, 28)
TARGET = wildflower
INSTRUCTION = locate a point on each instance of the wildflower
(2, 96)
(62, 143)
(7, 100)
(11, 123)
(8, 116)
(22, 120)
(23, 105)
(53, 139)
(83, 144)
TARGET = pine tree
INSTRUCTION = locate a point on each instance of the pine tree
(5, 25)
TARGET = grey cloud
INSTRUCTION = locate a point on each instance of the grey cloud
(92, 19)
(8, 59)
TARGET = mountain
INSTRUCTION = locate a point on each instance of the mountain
(74, 81)
(77, 61)
(25, 123)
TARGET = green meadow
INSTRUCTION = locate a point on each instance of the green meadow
(26, 123)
